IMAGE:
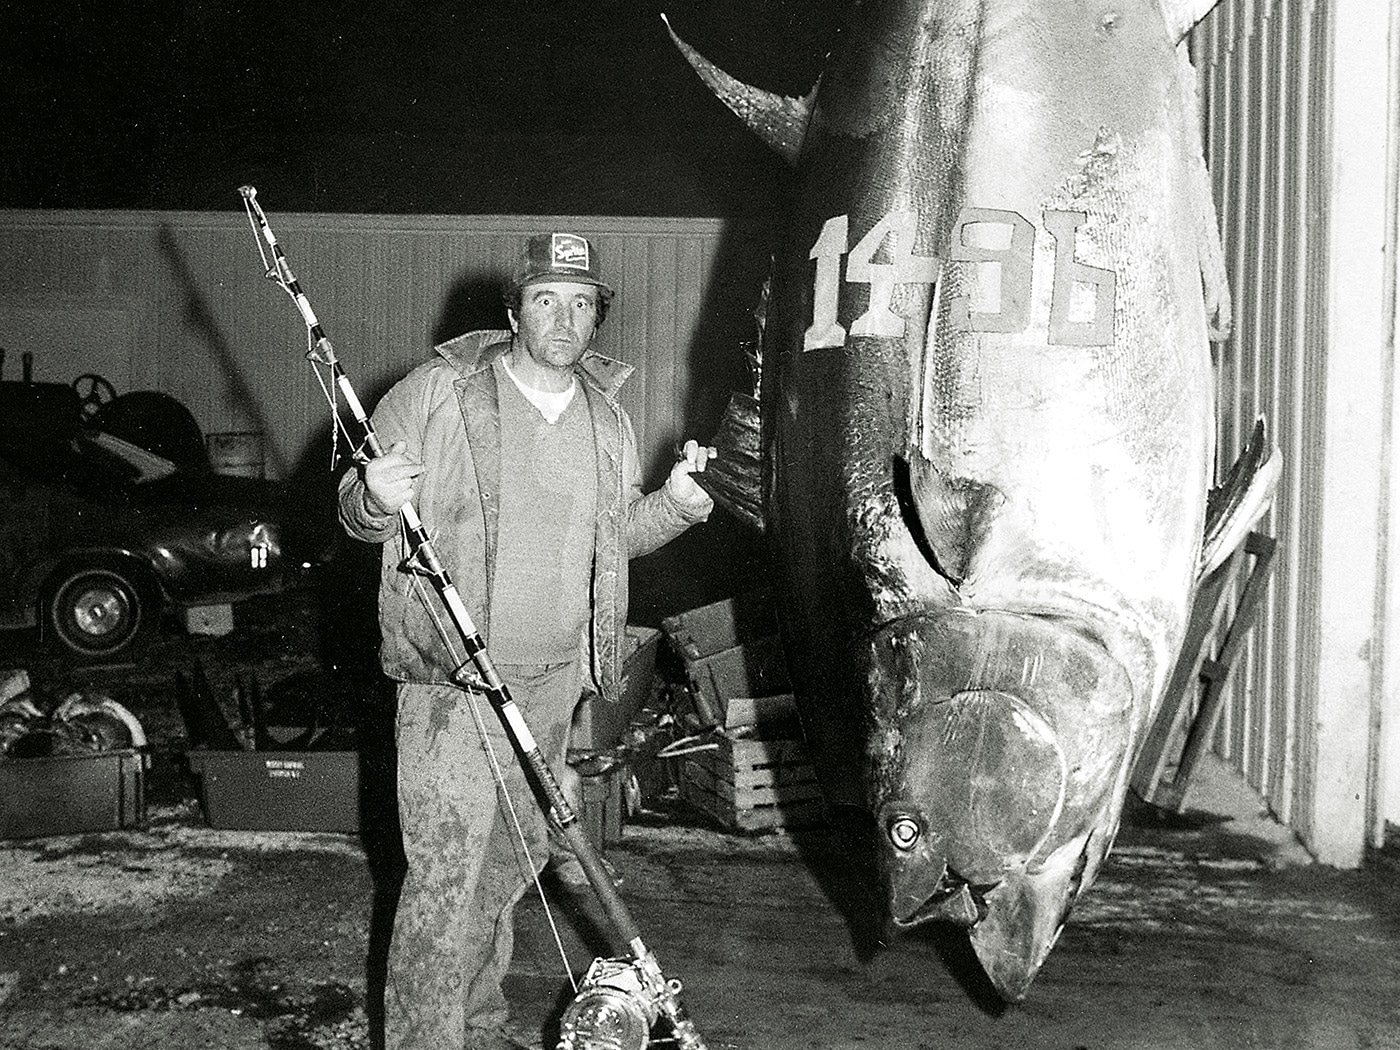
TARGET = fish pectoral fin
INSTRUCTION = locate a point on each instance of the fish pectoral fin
(945, 514)
(779, 120)
(733, 477)
(1234, 506)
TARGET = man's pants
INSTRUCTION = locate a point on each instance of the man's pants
(453, 932)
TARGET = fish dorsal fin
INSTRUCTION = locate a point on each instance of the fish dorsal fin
(779, 120)
(1233, 507)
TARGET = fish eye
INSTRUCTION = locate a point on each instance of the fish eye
(904, 832)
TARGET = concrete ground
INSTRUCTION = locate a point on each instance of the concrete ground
(1207, 931)
(1210, 931)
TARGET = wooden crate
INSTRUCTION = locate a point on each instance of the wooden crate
(754, 784)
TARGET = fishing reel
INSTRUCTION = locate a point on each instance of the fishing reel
(615, 1008)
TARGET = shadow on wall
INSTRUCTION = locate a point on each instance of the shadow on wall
(717, 363)
(200, 319)
(722, 557)
(473, 303)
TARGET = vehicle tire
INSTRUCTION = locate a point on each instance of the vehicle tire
(98, 611)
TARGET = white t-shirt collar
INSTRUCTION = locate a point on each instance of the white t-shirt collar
(551, 405)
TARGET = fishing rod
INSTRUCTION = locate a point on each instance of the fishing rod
(619, 1000)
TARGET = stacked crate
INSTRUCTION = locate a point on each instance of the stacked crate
(756, 774)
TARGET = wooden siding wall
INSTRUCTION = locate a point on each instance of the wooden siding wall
(1263, 65)
(176, 302)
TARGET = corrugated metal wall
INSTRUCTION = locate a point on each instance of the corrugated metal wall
(176, 302)
(1263, 66)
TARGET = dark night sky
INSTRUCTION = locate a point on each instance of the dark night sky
(394, 107)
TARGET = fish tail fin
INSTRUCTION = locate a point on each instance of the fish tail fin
(779, 120)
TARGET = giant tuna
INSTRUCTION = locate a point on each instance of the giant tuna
(987, 434)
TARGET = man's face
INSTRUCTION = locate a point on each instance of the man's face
(556, 322)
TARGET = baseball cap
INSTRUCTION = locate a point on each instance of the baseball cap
(559, 257)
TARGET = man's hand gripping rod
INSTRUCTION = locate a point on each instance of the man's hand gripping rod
(479, 673)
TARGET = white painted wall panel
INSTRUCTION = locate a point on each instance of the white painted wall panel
(1294, 94)
(177, 302)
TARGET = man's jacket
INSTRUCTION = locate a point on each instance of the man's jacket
(446, 411)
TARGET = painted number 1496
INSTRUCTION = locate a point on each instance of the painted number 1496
(904, 267)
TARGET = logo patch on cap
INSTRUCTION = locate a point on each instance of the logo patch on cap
(568, 251)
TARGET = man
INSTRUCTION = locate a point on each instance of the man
(523, 466)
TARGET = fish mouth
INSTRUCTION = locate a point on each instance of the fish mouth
(946, 898)
(1004, 739)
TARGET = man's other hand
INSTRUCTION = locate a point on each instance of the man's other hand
(693, 458)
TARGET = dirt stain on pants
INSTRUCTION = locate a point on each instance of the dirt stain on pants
(454, 928)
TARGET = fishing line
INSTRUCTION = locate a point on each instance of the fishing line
(498, 774)
(273, 273)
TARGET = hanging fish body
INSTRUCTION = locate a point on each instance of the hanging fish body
(987, 433)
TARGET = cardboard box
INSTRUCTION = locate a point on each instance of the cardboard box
(752, 669)
(70, 794)
(720, 625)
(279, 790)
